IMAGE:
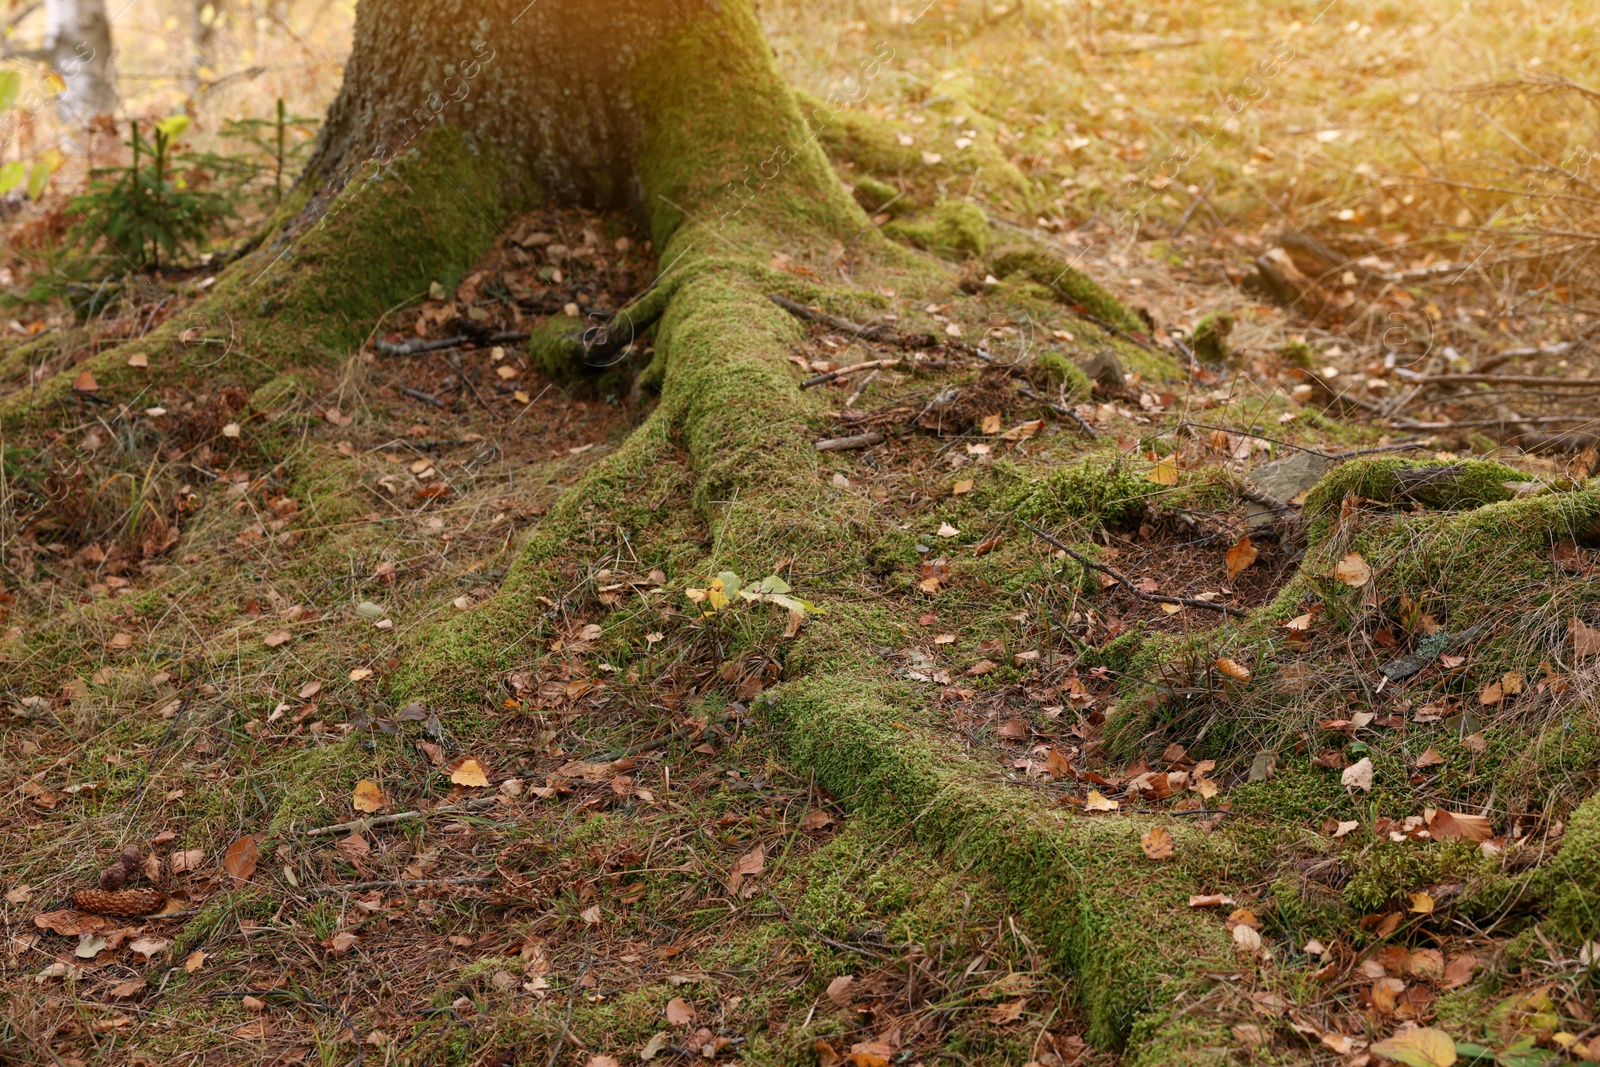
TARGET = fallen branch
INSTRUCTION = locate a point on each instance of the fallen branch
(845, 444)
(867, 333)
(356, 826)
(845, 372)
(1124, 581)
(396, 883)
(1064, 411)
(417, 348)
(1497, 379)
(418, 394)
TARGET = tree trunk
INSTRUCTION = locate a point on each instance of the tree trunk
(77, 42)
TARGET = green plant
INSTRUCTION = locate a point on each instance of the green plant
(280, 143)
(146, 209)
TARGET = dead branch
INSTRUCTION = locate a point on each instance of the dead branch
(1127, 583)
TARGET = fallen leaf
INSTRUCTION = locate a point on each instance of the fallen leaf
(310, 689)
(591, 915)
(1492, 694)
(1458, 972)
(468, 772)
(1009, 1012)
(1425, 1046)
(1234, 669)
(1247, 939)
(194, 961)
(827, 1056)
(1210, 900)
(149, 946)
(1240, 556)
(1585, 638)
(354, 846)
(679, 1012)
(84, 382)
(839, 990)
(341, 942)
(946, 530)
(961, 487)
(1421, 904)
(1163, 473)
(276, 638)
(1430, 758)
(240, 859)
(653, 1047)
(1157, 843)
(1358, 775)
(1097, 802)
(751, 863)
(360, 674)
(816, 820)
(1345, 827)
(1455, 826)
(186, 860)
(367, 797)
(1353, 570)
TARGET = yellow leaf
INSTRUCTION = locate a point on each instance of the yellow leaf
(1097, 802)
(360, 674)
(54, 82)
(367, 797)
(962, 487)
(468, 772)
(1163, 473)
(1426, 1046)
(1234, 669)
(1421, 904)
(715, 595)
(1353, 570)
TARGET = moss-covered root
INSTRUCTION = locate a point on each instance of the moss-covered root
(1573, 880)
(1118, 920)
(314, 289)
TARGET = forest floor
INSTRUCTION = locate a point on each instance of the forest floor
(616, 856)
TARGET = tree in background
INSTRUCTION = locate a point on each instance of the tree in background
(77, 45)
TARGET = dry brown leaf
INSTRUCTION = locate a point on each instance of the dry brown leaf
(1353, 570)
(194, 961)
(679, 1012)
(1210, 900)
(839, 990)
(1492, 694)
(241, 858)
(1430, 758)
(1585, 638)
(1455, 826)
(84, 382)
(276, 638)
(1240, 556)
(751, 863)
(1458, 972)
(1358, 775)
(1157, 843)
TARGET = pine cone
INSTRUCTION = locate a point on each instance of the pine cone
(119, 901)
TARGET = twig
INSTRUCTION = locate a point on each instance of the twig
(867, 333)
(1498, 379)
(561, 1038)
(845, 444)
(418, 394)
(1064, 411)
(397, 883)
(1126, 582)
(417, 348)
(361, 825)
(1194, 205)
(310, 1002)
(844, 372)
(860, 388)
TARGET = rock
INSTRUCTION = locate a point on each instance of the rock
(1285, 479)
(1105, 371)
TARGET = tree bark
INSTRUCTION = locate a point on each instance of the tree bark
(77, 43)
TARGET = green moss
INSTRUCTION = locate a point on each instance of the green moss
(1056, 375)
(1296, 354)
(1211, 338)
(1070, 285)
(1573, 881)
(956, 230)
(1473, 483)
(873, 194)
(1388, 872)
